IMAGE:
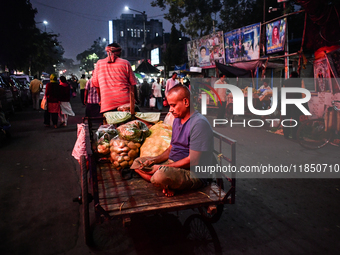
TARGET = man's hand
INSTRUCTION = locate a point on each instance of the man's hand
(145, 161)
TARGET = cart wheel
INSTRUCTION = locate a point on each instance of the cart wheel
(85, 202)
(201, 237)
(213, 218)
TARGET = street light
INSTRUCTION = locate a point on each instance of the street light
(144, 16)
(44, 22)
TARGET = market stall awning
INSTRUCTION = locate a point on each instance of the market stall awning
(232, 71)
(147, 68)
(139, 76)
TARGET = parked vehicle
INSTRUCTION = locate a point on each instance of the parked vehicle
(24, 86)
(4, 128)
(13, 85)
(6, 98)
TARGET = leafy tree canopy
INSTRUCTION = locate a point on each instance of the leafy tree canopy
(90, 56)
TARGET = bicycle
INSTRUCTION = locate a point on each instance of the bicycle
(313, 134)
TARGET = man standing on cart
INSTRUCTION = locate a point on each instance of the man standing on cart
(191, 145)
(113, 78)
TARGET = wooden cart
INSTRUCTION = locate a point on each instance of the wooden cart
(113, 197)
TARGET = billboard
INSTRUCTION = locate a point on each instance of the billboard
(275, 36)
(206, 50)
(155, 56)
(243, 43)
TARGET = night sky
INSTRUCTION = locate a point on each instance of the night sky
(81, 22)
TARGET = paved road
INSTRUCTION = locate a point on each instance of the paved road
(39, 178)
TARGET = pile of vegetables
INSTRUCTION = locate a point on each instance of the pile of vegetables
(121, 145)
(123, 152)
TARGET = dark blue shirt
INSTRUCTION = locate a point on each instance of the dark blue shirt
(195, 134)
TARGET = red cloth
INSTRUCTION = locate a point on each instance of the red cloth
(53, 107)
(114, 80)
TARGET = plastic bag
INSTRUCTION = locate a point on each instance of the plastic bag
(123, 152)
(106, 130)
(135, 131)
(152, 117)
(117, 117)
(43, 104)
(152, 102)
(103, 136)
(158, 141)
(169, 119)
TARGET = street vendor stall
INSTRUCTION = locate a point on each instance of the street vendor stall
(106, 154)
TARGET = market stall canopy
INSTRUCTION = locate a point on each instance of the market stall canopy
(232, 71)
(147, 68)
(139, 76)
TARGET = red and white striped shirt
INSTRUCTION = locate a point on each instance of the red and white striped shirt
(114, 81)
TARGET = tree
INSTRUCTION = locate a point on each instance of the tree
(22, 45)
(17, 30)
(46, 53)
(90, 56)
(197, 14)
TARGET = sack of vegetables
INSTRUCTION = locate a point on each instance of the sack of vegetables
(123, 152)
(104, 134)
(158, 141)
(135, 131)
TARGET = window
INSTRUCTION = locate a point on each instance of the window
(138, 33)
(122, 33)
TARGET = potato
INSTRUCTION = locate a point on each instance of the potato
(114, 155)
(117, 150)
(125, 149)
(127, 158)
(120, 159)
(116, 164)
(130, 162)
(121, 144)
(132, 146)
(124, 164)
(118, 168)
(138, 145)
(123, 154)
(133, 154)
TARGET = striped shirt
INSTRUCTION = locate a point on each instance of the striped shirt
(92, 95)
(114, 81)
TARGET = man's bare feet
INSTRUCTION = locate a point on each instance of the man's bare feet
(168, 192)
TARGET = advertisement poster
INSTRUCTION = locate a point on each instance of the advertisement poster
(275, 36)
(206, 50)
(242, 44)
(322, 76)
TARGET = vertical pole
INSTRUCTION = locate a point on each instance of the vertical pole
(145, 53)
(286, 46)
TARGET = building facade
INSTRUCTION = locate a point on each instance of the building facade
(128, 31)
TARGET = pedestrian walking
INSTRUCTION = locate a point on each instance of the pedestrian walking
(65, 105)
(36, 88)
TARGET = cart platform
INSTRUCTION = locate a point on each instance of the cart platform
(119, 197)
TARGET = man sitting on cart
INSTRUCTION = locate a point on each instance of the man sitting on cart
(191, 145)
